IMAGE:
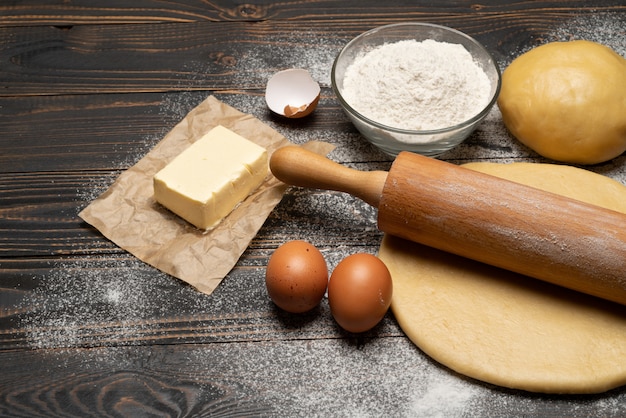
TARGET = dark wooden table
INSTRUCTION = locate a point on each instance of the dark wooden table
(89, 87)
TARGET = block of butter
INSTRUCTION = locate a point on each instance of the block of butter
(205, 182)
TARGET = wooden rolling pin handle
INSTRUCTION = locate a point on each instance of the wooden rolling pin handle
(300, 167)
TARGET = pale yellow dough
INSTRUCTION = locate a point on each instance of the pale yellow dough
(504, 328)
(567, 101)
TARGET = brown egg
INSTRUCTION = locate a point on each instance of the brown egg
(296, 276)
(359, 292)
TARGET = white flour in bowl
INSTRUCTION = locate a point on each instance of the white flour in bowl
(417, 85)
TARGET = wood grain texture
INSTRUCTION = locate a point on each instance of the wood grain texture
(30, 13)
(82, 59)
(296, 378)
(86, 89)
(167, 313)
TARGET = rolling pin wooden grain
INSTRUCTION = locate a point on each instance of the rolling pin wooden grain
(482, 217)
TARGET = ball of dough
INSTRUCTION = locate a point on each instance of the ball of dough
(567, 101)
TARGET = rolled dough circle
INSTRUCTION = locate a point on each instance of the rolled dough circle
(504, 328)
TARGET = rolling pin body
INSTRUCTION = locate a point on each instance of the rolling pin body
(482, 217)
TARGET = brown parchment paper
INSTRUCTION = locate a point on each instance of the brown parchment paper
(128, 215)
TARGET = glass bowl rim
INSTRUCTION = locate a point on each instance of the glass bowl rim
(458, 126)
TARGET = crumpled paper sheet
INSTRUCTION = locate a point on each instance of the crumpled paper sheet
(128, 215)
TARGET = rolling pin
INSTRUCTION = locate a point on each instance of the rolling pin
(481, 217)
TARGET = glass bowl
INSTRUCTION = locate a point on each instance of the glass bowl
(392, 140)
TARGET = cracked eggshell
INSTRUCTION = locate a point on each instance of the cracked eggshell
(292, 93)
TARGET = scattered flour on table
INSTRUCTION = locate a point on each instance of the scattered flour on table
(445, 396)
(305, 50)
(417, 85)
(256, 62)
(602, 27)
(383, 377)
(605, 28)
(102, 300)
(334, 378)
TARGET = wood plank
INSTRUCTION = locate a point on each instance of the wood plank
(98, 300)
(323, 377)
(82, 12)
(113, 131)
(43, 220)
(88, 134)
(73, 133)
(220, 55)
